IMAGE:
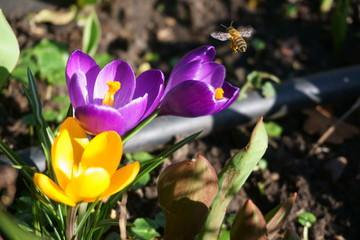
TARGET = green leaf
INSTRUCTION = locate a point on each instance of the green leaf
(145, 228)
(9, 49)
(268, 90)
(141, 157)
(325, 5)
(152, 57)
(273, 129)
(232, 177)
(27, 60)
(255, 80)
(339, 25)
(224, 235)
(307, 219)
(51, 58)
(102, 59)
(230, 219)
(92, 34)
(258, 44)
(10, 227)
(82, 3)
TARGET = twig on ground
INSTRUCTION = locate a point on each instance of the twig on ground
(123, 216)
(332, 128)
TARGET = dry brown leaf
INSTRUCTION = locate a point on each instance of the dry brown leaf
(319, 120)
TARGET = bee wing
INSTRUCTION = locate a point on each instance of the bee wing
(222, 36)
(246, 31)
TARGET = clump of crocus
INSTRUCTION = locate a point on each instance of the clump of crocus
(111, 99)
(196, 86)
(186, 191)
(85, 170)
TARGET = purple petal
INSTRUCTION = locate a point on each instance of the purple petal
(212, 73)
(150, 82)
(186, 72)
(95, 119)
(204, 54)
(133, 112)
(78, 92)
(115, 71)
(189, 99)
(230, 95)
(79, 61)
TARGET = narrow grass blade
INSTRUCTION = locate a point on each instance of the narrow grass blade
(14, 159)
(45, 134)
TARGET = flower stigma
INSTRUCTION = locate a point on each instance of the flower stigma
(219, 93)
(114, 86)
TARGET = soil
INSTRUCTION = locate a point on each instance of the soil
(296, 42)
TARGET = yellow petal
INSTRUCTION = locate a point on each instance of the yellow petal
(67, 150)
(103, 151)
(122, 177)
(88, 185)
(51, 189)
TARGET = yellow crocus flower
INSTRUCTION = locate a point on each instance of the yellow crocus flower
(85, 170)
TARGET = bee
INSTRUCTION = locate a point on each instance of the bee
(236, 37)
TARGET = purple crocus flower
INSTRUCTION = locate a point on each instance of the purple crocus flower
(196, 86)
(111, 99)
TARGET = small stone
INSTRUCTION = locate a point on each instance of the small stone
(336, 166)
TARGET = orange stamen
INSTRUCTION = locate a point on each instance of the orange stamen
(219, 93)
(114, 86)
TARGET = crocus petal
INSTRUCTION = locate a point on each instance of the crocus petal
(204, 54)
(115, 71)
(67, 150)
(104, 151)
(79, 61)
(77, 89)
(212, 73)
(133, 112)
(51, 189)
(189, 99)
(95, 119)
(88, 185)
(122, 178)
(150, 82)
(186, 72)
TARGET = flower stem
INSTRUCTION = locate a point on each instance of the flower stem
(122, 218)
(71, 222)
(306, 233)
(141, 125)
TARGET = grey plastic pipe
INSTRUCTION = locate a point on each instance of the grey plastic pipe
(328, 87)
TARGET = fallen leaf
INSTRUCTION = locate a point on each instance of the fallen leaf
(319, 120)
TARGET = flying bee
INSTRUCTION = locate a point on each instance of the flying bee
(236, 37)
